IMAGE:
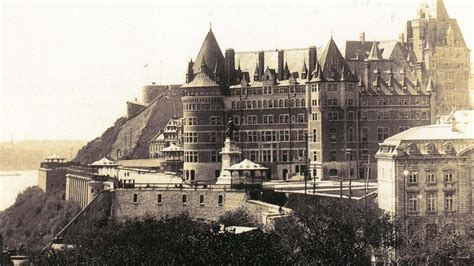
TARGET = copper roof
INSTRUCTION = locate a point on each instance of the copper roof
(201, 80)
(210, 54)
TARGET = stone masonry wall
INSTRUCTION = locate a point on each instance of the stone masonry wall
(124, 207)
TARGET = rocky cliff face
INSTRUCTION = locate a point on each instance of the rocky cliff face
(128, 138)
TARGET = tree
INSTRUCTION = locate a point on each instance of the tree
(172, 240)
(438, 247)
(239, 217)
(333, 232)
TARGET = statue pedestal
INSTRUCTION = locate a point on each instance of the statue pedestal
(230, 155)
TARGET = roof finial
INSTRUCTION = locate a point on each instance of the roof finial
(210, 21)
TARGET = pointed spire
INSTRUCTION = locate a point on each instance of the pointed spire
(417, 84)
(256, 73)
(210, 55)
(286, 71)
(343, 74)
(430, 86)
(375, 53)
(356, 75)
(318, 74)
(304, 71)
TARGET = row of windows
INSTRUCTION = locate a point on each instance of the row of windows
(269, 90)
(184, 199)
(430, 178)
(431, 200)
(202, 106)
(402, 115)
(397, 100)
(282, 155)
(268, 104)
(268, 119)
(191, 156)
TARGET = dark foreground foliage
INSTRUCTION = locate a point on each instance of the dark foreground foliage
(333, 232)
(34, 219)
(177, 240)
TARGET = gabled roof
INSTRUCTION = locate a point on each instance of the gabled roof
(104, 162)
(247, 165)
(375, 53)
(211, 55)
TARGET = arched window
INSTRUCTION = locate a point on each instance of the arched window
(220, 200)
(238, 105)
(244, 104)
(303, 103)
(449, 229)
(333, 172)
(431, 231)
(254, 104)
(275, 104)
(280, 104)
(135, 198)
(286, 102)
(187, 174)
(259, 104)
(270, 104)
(233, 104)
(249, 104)
(292, 103)
(193, 175)
(297, 103)
(265, 104)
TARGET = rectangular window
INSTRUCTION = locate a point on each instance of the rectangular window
(315, 135)
(412, 202)
(283, 119)
(201, 199)
(333, 136)
(364, 134)
(315, 156)
(252, 119)
(448, 178)
(351, 134)
(413, 178)
(184, 199)
(431, 178)
(430, 202)
(449, 201)
(382, 133)
(351, 115)
(284, 135)
(300, 118)
(314, 116)
(332, 156)
(192, 121)
(363, 101)
(159, 199)
(363, 115)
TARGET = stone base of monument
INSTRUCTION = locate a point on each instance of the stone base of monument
(230, 155)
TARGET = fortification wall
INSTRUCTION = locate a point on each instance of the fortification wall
(147, 203)
(52, 179)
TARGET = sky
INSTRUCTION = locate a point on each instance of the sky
(69, 67)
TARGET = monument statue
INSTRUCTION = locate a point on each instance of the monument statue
(229, 132)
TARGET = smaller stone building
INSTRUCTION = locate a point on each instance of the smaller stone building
(52, 173)
(171, 134)
(425, 174)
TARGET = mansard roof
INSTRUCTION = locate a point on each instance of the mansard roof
(211, 55)
(389, 50)
(295, 58)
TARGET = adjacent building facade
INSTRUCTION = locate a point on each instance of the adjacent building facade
(340, 105)
(426, 174)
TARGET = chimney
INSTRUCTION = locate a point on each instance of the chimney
(280, 64)
(313, 58)
(230, 66)
(362, 37)
(261, 64)
(401, 38)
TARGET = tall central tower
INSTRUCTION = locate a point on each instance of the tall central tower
(439, 46)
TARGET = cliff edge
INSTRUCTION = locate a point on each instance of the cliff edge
(128, 138)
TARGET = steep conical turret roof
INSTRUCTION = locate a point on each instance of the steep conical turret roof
(210, 54)
(331, 60)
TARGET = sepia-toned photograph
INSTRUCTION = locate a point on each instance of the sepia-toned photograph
(237, 132)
